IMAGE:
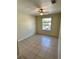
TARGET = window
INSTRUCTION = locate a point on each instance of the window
(46, 24)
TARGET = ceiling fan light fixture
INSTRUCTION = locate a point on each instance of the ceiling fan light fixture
(41, 13)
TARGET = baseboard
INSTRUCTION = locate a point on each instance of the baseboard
(25, 38)
(48, 35)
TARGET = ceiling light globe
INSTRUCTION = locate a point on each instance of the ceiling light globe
(41, 13)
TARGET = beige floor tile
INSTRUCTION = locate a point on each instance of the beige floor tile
(38, 47)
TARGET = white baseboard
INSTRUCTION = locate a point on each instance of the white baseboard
(25, 37)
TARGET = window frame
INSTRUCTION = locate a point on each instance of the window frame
(42, 25)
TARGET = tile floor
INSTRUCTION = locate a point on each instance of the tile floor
(38, 47)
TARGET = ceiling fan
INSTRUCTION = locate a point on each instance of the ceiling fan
(42, 11)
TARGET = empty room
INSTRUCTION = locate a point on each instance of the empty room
(38, 29)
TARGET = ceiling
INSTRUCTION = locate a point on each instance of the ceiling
(32, 6)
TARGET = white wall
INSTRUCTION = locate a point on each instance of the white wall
(25, 25)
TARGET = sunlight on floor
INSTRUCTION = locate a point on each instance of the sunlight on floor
(46, 42)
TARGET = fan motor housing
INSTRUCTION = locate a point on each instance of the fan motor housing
(53, 1)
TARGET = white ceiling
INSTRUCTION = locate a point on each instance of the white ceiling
(31, 6)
